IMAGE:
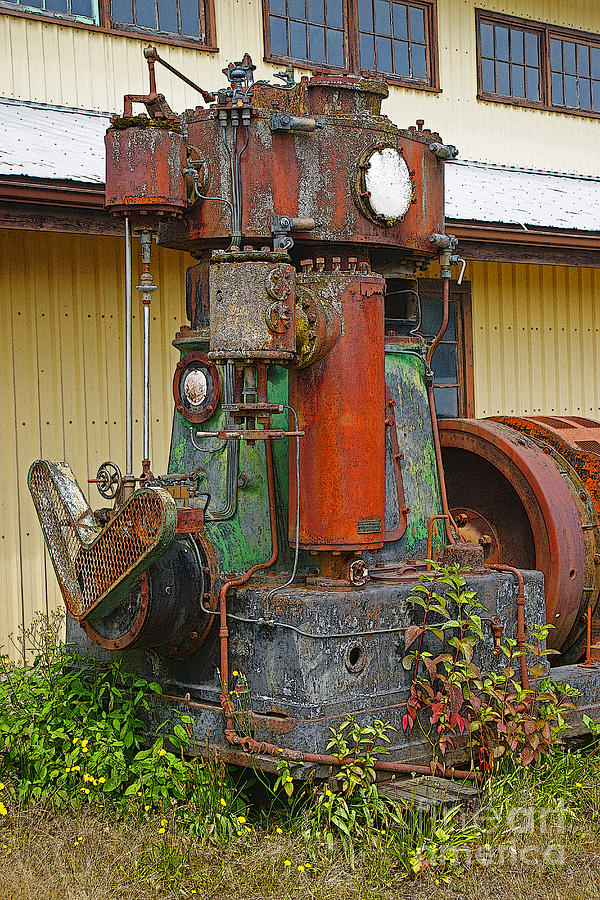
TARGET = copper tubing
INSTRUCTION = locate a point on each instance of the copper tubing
(237, 582)
(521, 634)
(249, 745)
(444, 325)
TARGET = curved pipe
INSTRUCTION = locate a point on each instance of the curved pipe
(226, 703)
(521, 634)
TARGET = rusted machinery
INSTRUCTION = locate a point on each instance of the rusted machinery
(305, 490)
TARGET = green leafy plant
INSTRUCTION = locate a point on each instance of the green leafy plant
(75, 732)
(450, 697)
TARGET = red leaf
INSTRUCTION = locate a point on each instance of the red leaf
(404, 722)
(411, 633)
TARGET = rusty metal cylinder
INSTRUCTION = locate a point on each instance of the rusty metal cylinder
(144, 170)
(340, 401)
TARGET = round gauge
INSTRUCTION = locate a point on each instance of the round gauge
(196, 387)
(385, 185)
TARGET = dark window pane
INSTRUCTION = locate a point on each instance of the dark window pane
(297, 9)
(417, 24)
(334, 13)
(383, 23)
(596, 95)
(503, 85)
(335, 48)
(487, 40)
(585, 94)
(432, 319)
(316, 44)
(277, 6)
(571, 91)
(531, 47)
(533, 84)
(60, 6)
(556, 55)
(122, 11)
(384, 55)
(518, 81)
(367, 53)
(583, 59)
(145, 14)
(557, 90)
(595, 61)
(365, 15)
(516, 46)
(419, 62)
(316, 11)
(278, 32)
(167, 15)
(190, 17)
(569, 57)
(36, 3)
(446, 402)
(401, 63)
(82, 8)
(400, 14)
(501, 43)
(488, 81)
(298, 40)
(444, 363)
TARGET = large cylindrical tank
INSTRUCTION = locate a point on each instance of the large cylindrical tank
(340, 401)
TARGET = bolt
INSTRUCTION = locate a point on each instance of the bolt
(320, 263)
(312, 318)
(305, 304)
(583, 495)
(485, 540)
(461, 520)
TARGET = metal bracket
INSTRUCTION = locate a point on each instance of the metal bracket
(281, 227)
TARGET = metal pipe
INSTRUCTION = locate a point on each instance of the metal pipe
(128, 353)
(521, 634)
(249, 745)
(146, 288)
(146, 380)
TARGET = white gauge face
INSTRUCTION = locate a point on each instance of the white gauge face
(195, 387)
(389, 183)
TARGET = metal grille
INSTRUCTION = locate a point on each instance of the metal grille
(97, 567)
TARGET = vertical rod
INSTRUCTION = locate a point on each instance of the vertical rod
(146, 380)
(128, 353)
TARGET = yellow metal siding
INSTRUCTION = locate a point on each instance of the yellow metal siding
(58, 64)
(61, 371)
(536, 339)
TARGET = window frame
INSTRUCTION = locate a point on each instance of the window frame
(105, 25)
(460, 295)
(352, 53)
(545, 32)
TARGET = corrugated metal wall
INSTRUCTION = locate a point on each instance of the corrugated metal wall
(536, 339)
(62, 389)
(54, 63)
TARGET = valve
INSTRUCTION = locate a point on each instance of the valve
(108, 480)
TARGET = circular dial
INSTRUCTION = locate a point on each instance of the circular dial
(386, 188)
(196, 387)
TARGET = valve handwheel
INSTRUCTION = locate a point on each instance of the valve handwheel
(109, 480)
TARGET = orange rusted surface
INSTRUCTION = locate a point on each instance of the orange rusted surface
(340, 402)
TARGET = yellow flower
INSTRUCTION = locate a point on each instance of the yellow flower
(247, 830)
(328, 793)
(289, 779)
(301, 868)
(102, 780)
(308, 865)
(235, 674)
(75, 739)
(77, 768)
(239, 833)
(3, 809)
(146, 808)
(1, 786)
(85, 790)
(161, 830)
(326, 805)
(139, 794)
(162, 751)
(578, 784)
(223, 802)
(287, 863)
(279, 831)
(241, 820)
(164, 823)
(85, 749)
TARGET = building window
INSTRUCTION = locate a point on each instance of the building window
(394, 38)
(532, 64)
(79, 10)
(167, 21)
(184, 18)
(415, 306)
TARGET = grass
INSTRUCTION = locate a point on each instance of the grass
(91, 854)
